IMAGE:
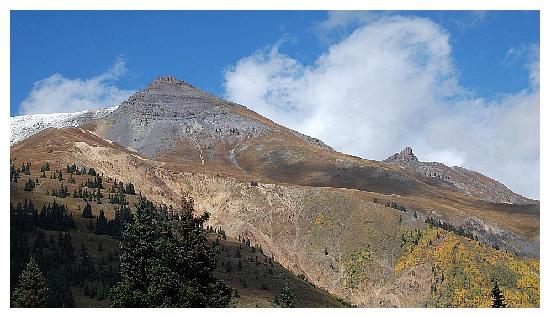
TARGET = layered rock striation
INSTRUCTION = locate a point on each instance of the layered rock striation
(170, 115)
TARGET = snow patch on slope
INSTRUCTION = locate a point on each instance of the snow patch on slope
(25, 126)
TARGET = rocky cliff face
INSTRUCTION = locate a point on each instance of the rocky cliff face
(405, 155)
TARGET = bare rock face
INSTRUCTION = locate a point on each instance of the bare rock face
(405, 155)
(170, 112)
(172, 117)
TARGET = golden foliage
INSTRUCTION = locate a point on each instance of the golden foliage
(463, 270)
(416, 245)
(321, 219)
(355, 267)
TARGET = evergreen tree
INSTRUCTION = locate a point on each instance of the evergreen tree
(130, 189)
(66, 246)
(137, 252)
(98, 196)
(228, 267)
(45, 167)
(167, 265)
(276, 301)
(31, 289)
(287, 297)
(26, 168)
(497, 297)
(85, 264)
(87, 211)
(14, 174)
(101, 224)
(29, 185)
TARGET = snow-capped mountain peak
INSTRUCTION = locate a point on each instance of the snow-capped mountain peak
(24, 126)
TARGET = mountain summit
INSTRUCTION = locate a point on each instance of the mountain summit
(166, 96)
(173, 120)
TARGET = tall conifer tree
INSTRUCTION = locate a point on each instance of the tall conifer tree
(168, 265)
(497, 297)
(31, 289)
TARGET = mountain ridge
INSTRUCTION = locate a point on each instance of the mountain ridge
(159, 100)
(465, 180)
(188, 129)
(313, 231)
(335, 219)
(24, 126)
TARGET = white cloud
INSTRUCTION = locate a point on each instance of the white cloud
(57, 94)
(533, 64)
(391, 84)
(531, 55)
(338, 23)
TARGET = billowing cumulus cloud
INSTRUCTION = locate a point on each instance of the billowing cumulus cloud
(57, 94)
(392, 84)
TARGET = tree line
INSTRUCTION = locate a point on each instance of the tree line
(60, 264)
(449, 227)
(164, 261)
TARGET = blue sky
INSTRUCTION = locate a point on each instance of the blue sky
(197, 46)
(459, 87)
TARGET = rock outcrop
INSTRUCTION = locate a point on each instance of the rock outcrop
(460, 179)
(405, 155)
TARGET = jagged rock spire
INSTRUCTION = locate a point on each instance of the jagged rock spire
(405, 155)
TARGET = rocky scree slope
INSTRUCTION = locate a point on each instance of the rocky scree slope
(172, 119)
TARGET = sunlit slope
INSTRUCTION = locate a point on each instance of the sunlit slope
(463, 271)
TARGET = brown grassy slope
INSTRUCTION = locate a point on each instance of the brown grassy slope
(286, 159)
(279, 160)
(261, 280)
(280, 219)
(80, 235)
(256, 284)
